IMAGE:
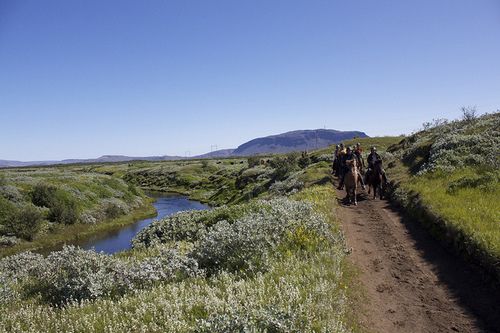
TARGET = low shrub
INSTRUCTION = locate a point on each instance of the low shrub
(167, 266)
(6, 241)
(114, 208)
(62, 206)
(253, 161)
(11, 193)
(26, 222)
(74, 274)
(287, 186)
(43, 195)
(63, 209)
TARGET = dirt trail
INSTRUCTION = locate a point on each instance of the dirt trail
(412, 283)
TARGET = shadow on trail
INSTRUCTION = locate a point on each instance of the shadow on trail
(360, 197)
(472, 287)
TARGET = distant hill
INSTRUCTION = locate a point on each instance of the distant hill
(217, 153)
(274, 144)
(295, 141)
(102, 159)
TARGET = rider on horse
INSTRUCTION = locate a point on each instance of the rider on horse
(335, 167)
(349, 155)
(337, 162)
(358, 152)
(372, 158)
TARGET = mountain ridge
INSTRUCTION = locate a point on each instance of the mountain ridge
(298, 140)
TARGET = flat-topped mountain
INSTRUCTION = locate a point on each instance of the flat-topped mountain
(295, 141)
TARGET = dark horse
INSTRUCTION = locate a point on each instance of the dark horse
(376, 180)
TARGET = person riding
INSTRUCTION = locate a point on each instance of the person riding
(371, 159)
(338, 160)
(349, 155)
(358, 151)
(335, 167)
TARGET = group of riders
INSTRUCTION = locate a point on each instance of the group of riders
(343, 155)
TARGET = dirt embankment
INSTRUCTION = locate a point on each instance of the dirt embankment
(412, 284)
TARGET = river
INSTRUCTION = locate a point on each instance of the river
(119, 240)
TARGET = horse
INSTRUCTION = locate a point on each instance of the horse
(351, 181)
(376, 180)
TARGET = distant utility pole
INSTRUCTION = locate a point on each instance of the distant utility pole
(213, 148)
(187, 153)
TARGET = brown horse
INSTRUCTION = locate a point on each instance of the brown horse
(376, 180)
(351, 181)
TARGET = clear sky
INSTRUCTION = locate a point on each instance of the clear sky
(83, 78)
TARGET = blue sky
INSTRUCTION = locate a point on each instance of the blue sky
(82, 78)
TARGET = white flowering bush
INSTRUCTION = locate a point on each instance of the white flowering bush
(259, 320)
(190, 226)
(453, 150)
(167, 266)
(248, 244)
(8, 241)
(87, 218)
(73, 274)
(457, 144)
(11, 193)
(289, 185)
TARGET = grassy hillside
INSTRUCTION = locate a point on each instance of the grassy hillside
(448, 175)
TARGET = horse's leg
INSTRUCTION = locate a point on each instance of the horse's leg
(354, 195)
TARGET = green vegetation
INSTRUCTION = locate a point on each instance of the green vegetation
(447, 175)
(274, 266)
(218, 182)
(44, 206)
(468, 198)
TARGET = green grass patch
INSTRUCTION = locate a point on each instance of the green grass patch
(471, 205)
